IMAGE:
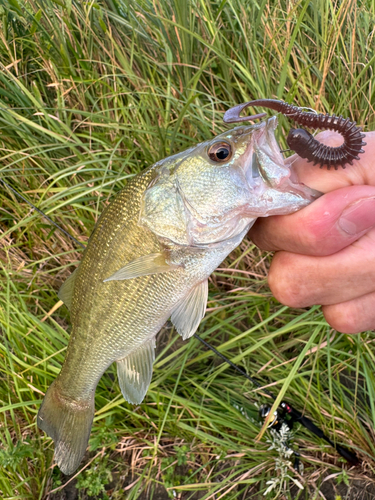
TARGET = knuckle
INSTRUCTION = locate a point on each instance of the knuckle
(285, 282)
(313, 231)
(261, 236)
(342, 317)
(309, 237)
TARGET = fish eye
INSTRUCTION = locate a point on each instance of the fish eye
(220, 152)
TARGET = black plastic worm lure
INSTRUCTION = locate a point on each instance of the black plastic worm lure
(301, 141)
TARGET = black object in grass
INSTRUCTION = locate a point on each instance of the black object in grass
(286, 409)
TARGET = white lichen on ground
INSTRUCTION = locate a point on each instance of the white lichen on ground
(283, 466)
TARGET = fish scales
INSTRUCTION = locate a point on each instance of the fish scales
(149, 259)
(125, 323)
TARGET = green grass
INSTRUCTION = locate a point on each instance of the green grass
(92, 93)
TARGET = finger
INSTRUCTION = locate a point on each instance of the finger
(326, 226)
(301, 280)
(353, 316)
(361, 172)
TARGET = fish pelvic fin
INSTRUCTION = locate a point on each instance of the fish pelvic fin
(154, 263)
(189, 312)
(67, 288)
(68, 423)
(135, 372)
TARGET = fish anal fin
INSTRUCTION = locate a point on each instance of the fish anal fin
(68, 423)
(67, 288)
(154, 263)
(135, 372)
(189, 312)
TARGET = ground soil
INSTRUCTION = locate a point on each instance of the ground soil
(357, 490)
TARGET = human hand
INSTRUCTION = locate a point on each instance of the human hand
(325, 253)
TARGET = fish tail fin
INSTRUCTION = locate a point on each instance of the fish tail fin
(68, 423)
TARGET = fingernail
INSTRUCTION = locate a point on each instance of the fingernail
(358, 217)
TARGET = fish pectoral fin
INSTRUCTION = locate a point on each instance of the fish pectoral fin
(135, 372)
(67, 288)
(154, 263)
(189, 312)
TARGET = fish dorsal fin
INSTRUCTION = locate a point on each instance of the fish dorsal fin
(189, 312)
(67, 288)
(154, 263)
(135, 372)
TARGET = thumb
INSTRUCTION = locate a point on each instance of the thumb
(331, 223)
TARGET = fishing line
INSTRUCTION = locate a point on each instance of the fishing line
(235, 367)
(284, 408)
(41, 213)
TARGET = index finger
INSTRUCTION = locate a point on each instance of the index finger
(362, 172)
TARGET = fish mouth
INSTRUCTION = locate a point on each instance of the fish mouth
(294, 181)
(310, 193)
(273, 182)
(269, 163)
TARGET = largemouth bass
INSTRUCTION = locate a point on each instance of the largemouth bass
(149, 259)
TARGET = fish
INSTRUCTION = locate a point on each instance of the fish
(149, 259)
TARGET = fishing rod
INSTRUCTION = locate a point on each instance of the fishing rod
(284, 409)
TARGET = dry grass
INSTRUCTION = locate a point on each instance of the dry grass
(92, 93)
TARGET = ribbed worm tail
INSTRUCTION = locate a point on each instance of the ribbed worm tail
(303, 143)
